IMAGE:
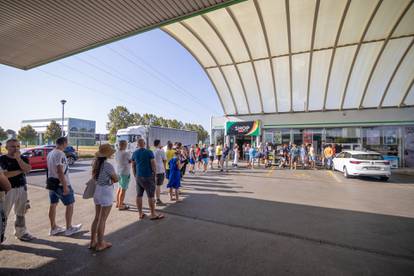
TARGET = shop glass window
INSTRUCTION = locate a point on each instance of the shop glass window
(384, 140)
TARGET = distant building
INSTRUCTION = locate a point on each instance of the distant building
(79, 132)
(101, 138)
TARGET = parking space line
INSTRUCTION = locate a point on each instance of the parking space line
(334, 176)
(270, 172)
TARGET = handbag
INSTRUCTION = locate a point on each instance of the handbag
(90, 189)
(52, 183)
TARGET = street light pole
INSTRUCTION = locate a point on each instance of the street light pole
(63, 115)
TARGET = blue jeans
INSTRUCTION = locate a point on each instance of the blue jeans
(329, 162)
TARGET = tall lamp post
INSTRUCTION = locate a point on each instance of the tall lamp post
(63, 115)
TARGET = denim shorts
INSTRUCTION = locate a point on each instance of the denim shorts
(68, 199)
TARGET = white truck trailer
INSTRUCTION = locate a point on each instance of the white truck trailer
(150, 133)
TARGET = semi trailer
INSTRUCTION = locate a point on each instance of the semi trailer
(150, 133)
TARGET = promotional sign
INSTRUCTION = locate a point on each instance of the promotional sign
(307, 137)
(250, 128)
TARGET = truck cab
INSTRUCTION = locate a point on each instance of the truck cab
(131, 135)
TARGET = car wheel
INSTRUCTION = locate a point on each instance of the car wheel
(71, 160)
(384, 178)
(346, 174)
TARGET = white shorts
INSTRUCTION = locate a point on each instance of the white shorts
(104, 195)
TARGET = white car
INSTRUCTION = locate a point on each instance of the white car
(362, 163)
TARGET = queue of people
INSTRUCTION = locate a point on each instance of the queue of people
(149, 167)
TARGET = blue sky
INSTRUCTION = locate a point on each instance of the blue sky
(147, 73)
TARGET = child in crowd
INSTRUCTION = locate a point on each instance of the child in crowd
(174, 181)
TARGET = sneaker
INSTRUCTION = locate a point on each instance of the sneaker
(56, 231)
(26, 237)
(73, 230)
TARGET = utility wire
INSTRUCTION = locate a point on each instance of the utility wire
(99, 92)
(170, 83)
(133, 84)
(174, 86)
(97, 80)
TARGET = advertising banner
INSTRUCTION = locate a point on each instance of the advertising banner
(249, 128)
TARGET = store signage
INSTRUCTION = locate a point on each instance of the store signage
(249, 128)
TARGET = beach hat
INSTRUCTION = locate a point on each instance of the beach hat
(105, 150)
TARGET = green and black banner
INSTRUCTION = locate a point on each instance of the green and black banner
(249, 128)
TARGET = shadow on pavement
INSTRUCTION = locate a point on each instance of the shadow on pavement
(211, 234)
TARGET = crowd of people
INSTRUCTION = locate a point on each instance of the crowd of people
(287, 155)
(151, 167)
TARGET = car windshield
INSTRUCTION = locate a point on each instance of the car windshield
(368, 156)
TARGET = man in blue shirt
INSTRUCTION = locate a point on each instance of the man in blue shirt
(144, 168)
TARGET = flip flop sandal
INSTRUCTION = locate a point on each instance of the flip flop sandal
(142, 216)
(157, 217)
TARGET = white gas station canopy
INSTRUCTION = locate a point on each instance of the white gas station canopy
(275, 56)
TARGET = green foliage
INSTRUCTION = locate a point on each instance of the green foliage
(27, 134)
(3, 134)
(120, 117)
(53, 131)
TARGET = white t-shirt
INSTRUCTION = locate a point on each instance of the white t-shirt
(159, 156)
(211, 151)
(55, 158)
(123, 166)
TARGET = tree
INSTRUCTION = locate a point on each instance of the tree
(3, 134)
(27, 134)
(119, 117)
(136, 119)
(175, 124)
(201, 132)
(53, 131)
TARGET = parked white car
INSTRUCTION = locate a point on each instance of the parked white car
(362, 163)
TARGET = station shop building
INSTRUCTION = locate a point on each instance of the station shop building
(387, 131)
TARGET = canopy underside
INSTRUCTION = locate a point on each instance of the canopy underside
(273, 56)
(35, 32)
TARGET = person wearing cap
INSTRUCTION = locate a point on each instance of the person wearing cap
(58, 167)
(104, 174)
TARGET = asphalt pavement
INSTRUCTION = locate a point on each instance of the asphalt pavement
(243, 222)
